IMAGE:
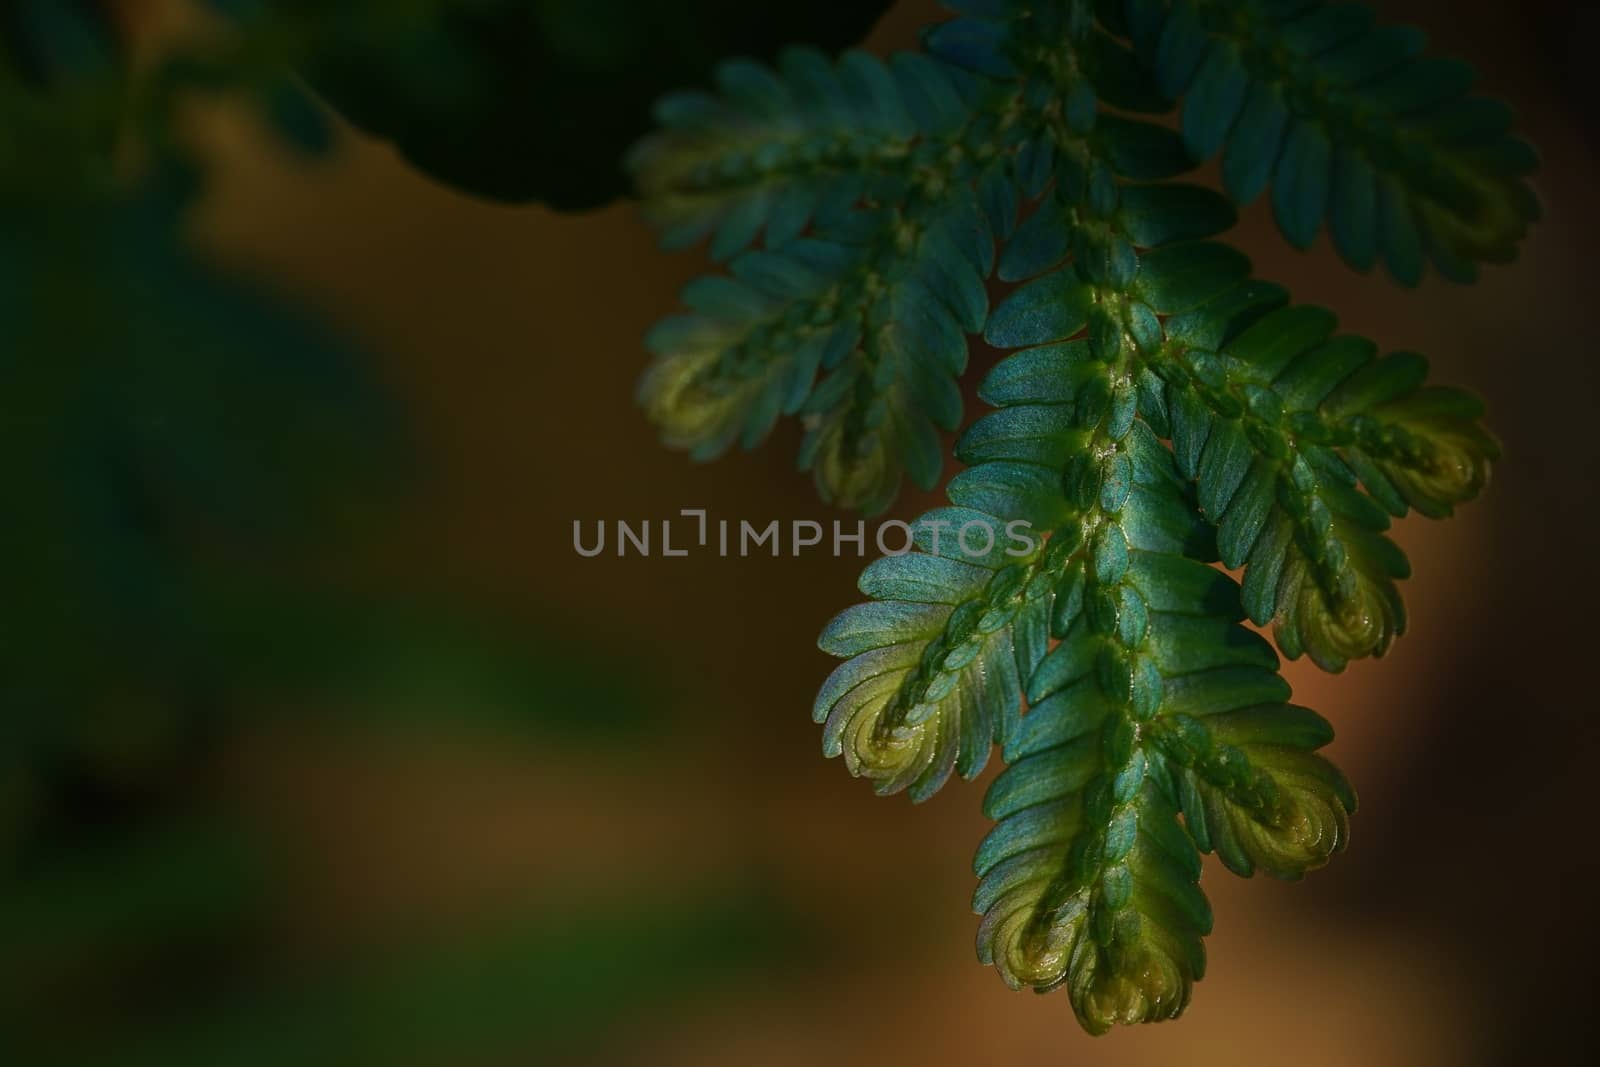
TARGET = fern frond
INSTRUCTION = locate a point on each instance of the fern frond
(863, 158)
(939, 657)
(1155, 696)
(881, 188)
(776, 148)
(1302, 444)
(1160, 412)
(1088, 881)
(1253, 789)
(1154, 699)
(1351, 124)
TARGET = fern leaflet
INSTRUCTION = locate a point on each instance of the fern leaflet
(872, 274)
(1350, 124)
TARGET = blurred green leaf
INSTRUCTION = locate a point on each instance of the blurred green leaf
(539, 99)
(149, 409)
(402, 661)
(555, 986)
(46, 41)
(114, 899)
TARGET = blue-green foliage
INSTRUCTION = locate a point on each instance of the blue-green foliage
(1303, 443)
(858, 203)
(854, 313)
(1349, 123)
(1162, 412)
(176, 442)
(1154, 701)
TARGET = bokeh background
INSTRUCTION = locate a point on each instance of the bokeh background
(435, 790)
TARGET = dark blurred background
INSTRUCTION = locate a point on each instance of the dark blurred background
(416, 784)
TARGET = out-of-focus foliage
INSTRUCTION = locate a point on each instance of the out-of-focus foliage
(538, 99)
(512, 990)
(1163, 411)
(152, 409)
(176, 439)
(154, 412)
(522, 984)
(184, 454)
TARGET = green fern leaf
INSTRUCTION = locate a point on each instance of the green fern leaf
(855, 315)
(1088, 880)
(1253, 790)
(937, 661)
(1303, 443)
(1159, 412)
(1154, 700)
(1350, 123)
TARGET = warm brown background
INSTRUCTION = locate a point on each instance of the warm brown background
(1458, 929)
